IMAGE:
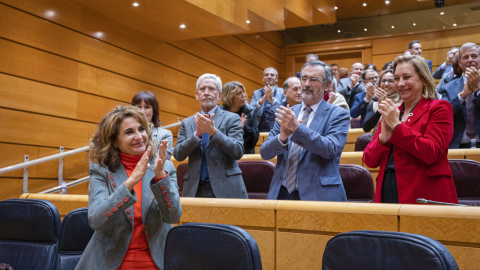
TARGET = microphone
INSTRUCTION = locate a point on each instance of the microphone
(420, 200)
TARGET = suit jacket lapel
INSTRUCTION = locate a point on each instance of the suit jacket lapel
(420, 109)
(147, 196)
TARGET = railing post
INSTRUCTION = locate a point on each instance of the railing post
(25, 175)
(60, 168)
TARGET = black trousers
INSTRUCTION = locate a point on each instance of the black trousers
(284, 195)
(205, 189)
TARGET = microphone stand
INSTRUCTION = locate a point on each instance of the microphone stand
(420, 200)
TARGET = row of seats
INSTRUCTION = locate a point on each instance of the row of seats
(357, 181)
(31, 233)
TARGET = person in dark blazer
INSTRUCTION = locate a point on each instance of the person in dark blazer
(308, 140)
(147, 102)
(362, 100)
(133, 197)
(212, 140)
(411, 143)
(464, 97)
(234, 98)
(352, 85)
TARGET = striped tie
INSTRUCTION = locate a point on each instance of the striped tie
(293, 156)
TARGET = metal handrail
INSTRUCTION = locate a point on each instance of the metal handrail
(44, 159)
(25, 165)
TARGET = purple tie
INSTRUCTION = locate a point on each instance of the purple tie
(469, 129)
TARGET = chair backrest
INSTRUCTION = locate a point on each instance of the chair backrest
(202, 246)
(29, 232)
(355, 122)
(466, 178)
(257, 176)
(375, 250)
(358, 183)
(74, 237)
(181, 171)
(362, 141)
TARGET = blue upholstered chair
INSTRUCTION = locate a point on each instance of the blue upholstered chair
(74, 237)
(201, 246)
(29, 232)
(379, 250)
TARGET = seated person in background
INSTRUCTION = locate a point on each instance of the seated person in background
(415, 48)
(464, 97)
(147, 102)
(308, 58)
(334, 98)
(293, 92)
(212, 140)
(386, 89)
(267, 99)
(353, 85)
(234, 100)
(454, 74)
(446, 67)
(370, 66)
(411, 143)
(308, 140)
(132, 195)
(388, 65)
(359, 108)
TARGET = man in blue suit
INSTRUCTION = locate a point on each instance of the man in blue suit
(359, 108)
(446, 67)
(464, 96)
(416, 49)
(308, 140)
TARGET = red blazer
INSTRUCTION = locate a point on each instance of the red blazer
(420, 154)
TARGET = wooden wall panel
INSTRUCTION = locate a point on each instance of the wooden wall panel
(13, 154)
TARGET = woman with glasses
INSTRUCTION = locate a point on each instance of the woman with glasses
(385, 89)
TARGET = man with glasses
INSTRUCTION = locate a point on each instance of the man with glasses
(308, 140)
(464, 96)
(212, 140)
(359, 108)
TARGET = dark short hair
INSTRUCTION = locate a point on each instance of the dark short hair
(410, 45)
(327, 75)
(369, 65)
(149, 99)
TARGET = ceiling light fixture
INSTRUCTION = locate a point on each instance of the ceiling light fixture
(339, 31)
(364, 4)
(50, 13)
(183, 26)
(393, 26)
(365, 29)
(454, 24)
(336, 7)
(387, 2)
(248, 21)
(441, 13)
(414, 24)
(135, 4)
(99, 34)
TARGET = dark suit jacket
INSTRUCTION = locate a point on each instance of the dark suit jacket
(420, 154)
(359, 107)
(449, 93)
(222, 151)
(250, 128)
(323, 141)
(343, 88)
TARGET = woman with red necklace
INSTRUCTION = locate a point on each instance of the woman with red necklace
(133, 198)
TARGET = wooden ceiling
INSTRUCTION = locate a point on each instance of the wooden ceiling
(161, 19)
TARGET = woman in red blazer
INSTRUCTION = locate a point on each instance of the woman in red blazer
(411, 144)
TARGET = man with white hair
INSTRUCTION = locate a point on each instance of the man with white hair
(212, 140)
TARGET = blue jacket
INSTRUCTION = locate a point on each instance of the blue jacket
(318, 167)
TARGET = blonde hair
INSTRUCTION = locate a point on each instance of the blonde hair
(229, 91)
(102, 150)
(422, 70)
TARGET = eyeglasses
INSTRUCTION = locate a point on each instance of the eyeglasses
(372, 78)
(387, 81)
(313, 80)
